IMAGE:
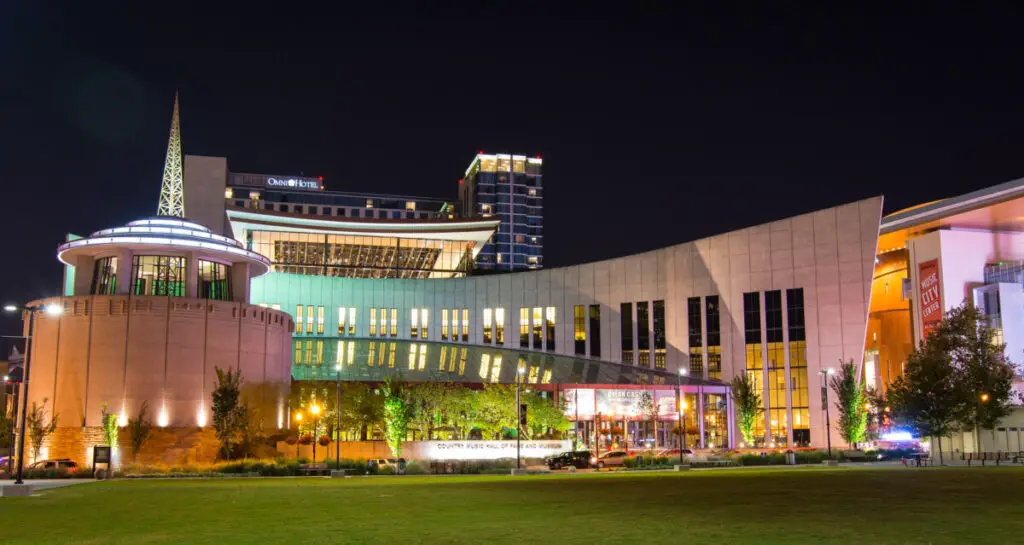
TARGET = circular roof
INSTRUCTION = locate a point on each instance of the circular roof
(165, 234)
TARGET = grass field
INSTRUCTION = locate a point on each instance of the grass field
(728, 506)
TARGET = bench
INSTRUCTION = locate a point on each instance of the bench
(916, 460)
(318, 468)
(856, 456)
(991, 457)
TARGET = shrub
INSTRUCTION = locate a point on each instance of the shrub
(324, 440)
(415, 468)
(306, 439)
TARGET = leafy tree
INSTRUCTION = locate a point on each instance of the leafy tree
(878, 415)
(986, 383)
(459, 411)
(851, 401)
(229, 414)
(139, 429)
(545, 417)
(494, 410)
(6, 426)
(38, 428)
(747, 399)
(396, 415)
(649, 411)
(110, 427)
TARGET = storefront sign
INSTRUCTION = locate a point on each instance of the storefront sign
(295, 183)
(490, 450)
(624, 403)
(931, 295)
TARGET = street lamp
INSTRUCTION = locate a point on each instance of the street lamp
(828, 425)
(298, 433)
(984, 398)
(53, 310)
(679, 407)
(337, 419)
(520, 370)
(315, 409)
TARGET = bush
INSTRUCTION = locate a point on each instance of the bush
(324, 440)
(306, 439)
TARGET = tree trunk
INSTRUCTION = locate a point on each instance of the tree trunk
(941, 461)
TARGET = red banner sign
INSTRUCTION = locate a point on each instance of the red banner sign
(931, 295)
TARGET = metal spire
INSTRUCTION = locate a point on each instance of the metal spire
(172, 199)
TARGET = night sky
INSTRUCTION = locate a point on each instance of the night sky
(656, 127)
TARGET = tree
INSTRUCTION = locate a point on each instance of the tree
(6, 426)
(545, 417)
(494, 410)
(139, 428)
(986, 383)
(649, 411)
(747, 398)
(229, 414)
(38, 428)
(110, 428)
(851, 401)
(396, 415)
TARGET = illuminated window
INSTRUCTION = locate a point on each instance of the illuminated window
(308, 356)
(410, 205)
(275, 306)
(695, 333)
(499, 326)
(104, 276)
(341, 321)
(309, 319)
(498, 258)
(369, 203)
(351, 321)
(550, 333)
(798, 384)
(778, 420)
(159, 275)
(532, 192)
(254, 195)
(538, 334)
(298, 319)
(444, 324)
(414, 324)
(531, 259)
(754, 356)
(487, 325)
(524, 328)
(465, 325)
(229, 193)
(373, 321)
(658, 311)
(319, 320)
(424, 320)
(579, 325)
(643, 334)
(394, 322)
(298, 353)
(319, 352)
(714, 320)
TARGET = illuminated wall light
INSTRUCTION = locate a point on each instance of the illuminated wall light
(200, 417)
(122, 419)
(163, 419)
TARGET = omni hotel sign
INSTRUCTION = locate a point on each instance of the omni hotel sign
(293, 183)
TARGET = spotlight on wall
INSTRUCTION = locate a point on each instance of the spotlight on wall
(200, 417)
(162, 419)
(53, 309)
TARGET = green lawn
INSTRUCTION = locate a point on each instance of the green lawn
(727, 506)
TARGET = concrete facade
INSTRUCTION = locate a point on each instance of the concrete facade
(830, 254)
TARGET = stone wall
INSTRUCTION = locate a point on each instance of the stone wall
(168, 446)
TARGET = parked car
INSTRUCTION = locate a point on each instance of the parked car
(674, 453)
(385, 462)
(577, 458)
(609, 459)
(66, 464)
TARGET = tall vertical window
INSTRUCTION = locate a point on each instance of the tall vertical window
(550, 323)
(487, 325)
(214, 280)
(319, 352)
(309, 319)
(798, 366)
(465, 325)
(319, 320)
(298, 319)
(308, 359)
(579, 327)
(394, 323)
(776, 366)
(695, 336)
(714, 318)
(373, 322)
(414, 324)
(341, 321)
(424, 324)
(643, 333)
(383, 322)
(595, 331)
(104, 276)
(444, 324)
(158, 275)
(752, 345)
(298, 353)
(499, 326)
(659, 334)
(626, 323)
(538, 332)
(524, 328)
(351, 321)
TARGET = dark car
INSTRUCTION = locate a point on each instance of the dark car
(63, 463)
(578, 458)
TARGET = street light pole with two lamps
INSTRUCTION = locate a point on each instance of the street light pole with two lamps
(51, 309)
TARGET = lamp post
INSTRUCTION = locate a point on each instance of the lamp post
(298, 433)
(828, 425)
(519, 411)
(679, 407)
(337, 420)
(51, 309)
(315, 409)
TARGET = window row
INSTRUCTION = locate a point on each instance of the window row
(641, 323)
(163, 275)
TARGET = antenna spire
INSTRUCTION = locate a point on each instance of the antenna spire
(172, 198)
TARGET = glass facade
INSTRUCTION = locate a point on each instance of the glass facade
(159, 275)
(549, 322)
(714, 319)
(579, 327)
(626, 325)
(524, 328)
(595, 331)
(752, 345)
(776, 369)
(214, 280)
(510, 188)
(659, 334)
(499, 326)
(695, 334)
(104, 276)
(643, 333)
(798, 367)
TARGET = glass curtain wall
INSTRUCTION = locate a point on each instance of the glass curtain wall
(776, 365)
(754, 357)
(214, 280)
(695, 336)
(104, 276)
(714, 319)
(798, 367)
(158, 275)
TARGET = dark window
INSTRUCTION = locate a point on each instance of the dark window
(298, 208)
(579, 326)
(659, 334)
(714, 319)
(695, 336)
(626, 322)
(104, 276)
(643, 333)
(773, 316)
(214, 281)
(795, 314)
(283, 207)
(356, 213)
(752, 318)
(595, 331)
